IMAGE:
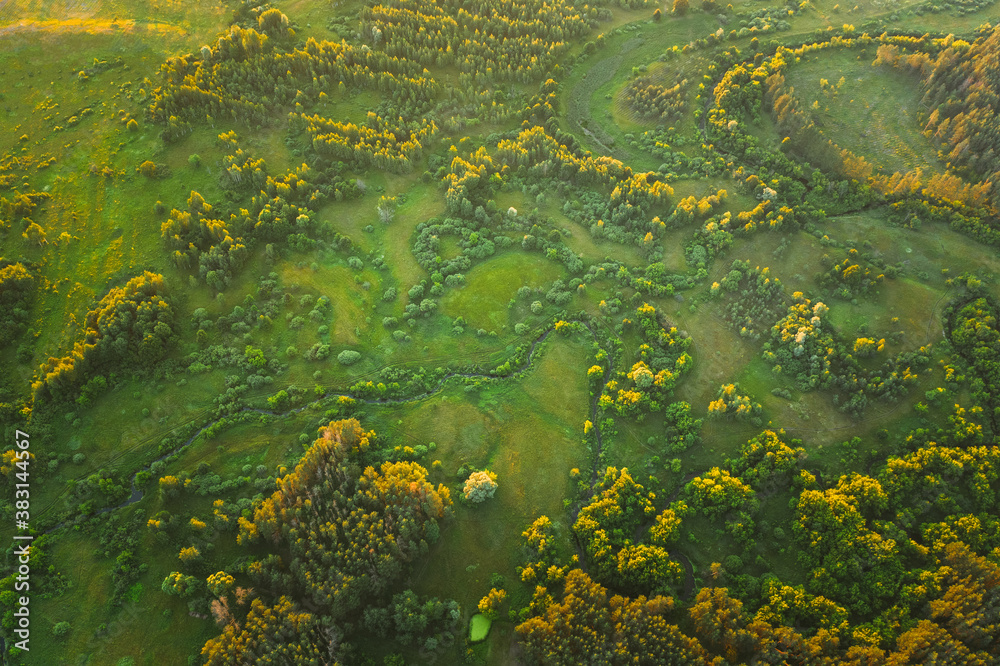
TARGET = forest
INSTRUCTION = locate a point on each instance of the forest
(500, 332)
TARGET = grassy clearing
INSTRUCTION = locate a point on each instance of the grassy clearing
(929, 250)
(154, 628)
(553, 383)
(423, 202)
(351, 301)
(946, 22)
(531, 446)
(718, 352)
(591, 88)
(99, 228)
(491, 284)
(874, 113)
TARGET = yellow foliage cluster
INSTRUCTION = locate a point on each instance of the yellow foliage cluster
(383, 143)
(512, 40)
(731, 403)
(189, 554)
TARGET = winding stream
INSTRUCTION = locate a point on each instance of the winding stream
(137, 493)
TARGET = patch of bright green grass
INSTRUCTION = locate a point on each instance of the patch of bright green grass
(479, 627)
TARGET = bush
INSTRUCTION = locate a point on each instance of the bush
(61, 629)
(348, 357)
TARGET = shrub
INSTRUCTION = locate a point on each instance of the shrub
(348, 357)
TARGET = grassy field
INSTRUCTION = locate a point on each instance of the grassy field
(102, 227)
(529, 436)
(491, 284)
(875, 113)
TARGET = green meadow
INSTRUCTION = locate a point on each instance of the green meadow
(468, 248)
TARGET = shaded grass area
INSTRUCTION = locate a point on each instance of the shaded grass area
(531, 446)
(151, 627)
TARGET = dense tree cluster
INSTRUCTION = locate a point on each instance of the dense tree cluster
(731, 402)
(587, 625)
(279, 633)
(755, 300)
(410, 619)
(681, 431)
(245, 73)
(652, 100)
(345, 532)
(606, 528)
(131, 328)
(389, 145)
(349, 535)
(805, 347)
(975, 333)
(489, 42)
(852, 555)
(962, 92)
(661, 361)
(802, 342)
(850, 278)
(194, 237)
(17, 285)
(717, 492)
(536, 153)
(767, 461)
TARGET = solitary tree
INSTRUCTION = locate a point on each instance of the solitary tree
(480, 486)
(148, 168)
(386, 209)
(680, 7)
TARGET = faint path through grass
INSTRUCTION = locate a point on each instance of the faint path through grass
(578, 105)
